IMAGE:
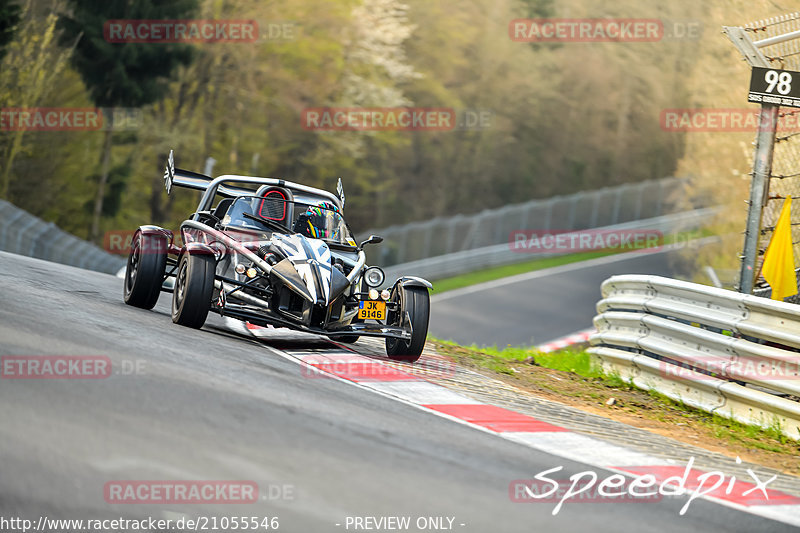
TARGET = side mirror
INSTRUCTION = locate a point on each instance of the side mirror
(373, 239)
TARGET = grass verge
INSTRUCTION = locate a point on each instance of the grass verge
(491, 274)
(570, 377)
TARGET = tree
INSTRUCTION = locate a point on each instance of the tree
(32, 66)
(121, 74)
(9, 18)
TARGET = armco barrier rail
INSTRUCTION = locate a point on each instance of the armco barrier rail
(502, 254)
(441, 236)
(24, 234)
(727, 353)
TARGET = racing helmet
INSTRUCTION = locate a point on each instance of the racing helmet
(315, 221)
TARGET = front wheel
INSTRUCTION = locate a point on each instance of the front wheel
(194, 283)
(144, 272)
(414, 304)
(350, 339)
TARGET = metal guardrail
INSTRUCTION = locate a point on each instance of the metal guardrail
(724, 352)
(502, 254)
(24, 234)
(441, 236)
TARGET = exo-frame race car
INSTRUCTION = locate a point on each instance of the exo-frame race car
(274, 253)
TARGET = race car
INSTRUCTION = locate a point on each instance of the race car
(271, 252)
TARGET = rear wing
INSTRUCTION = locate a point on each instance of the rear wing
(194, 180)
(183, 178)
(221, 185)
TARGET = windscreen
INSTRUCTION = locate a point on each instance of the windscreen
(274, 212)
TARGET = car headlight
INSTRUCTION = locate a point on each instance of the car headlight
(374, 276)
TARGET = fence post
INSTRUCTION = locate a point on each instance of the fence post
(617, 201)
(759, 193)
(639, 200)
(762, 164)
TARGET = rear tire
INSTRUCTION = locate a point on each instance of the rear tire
(417, 303)
(144, 272)
(194, 284)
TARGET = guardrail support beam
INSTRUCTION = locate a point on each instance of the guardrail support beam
(759, 194)
(762, 164)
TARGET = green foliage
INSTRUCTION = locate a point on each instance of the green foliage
(577, 362)
(9, 18)
(537, 8)
(499, 359)
(123, 74)
(562, 118)
(32, 69)
(117, 183)
(489, 274)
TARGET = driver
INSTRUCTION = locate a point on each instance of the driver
(316, 223)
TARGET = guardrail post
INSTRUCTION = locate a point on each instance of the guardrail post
(6, 229)
(762, 164)
(759, 193)
(595, 209)
(617, 201)
(426, 246)
(660, 197)
(549, 212)
(639, 199)
(34, 239)
(23, 231)
(451, 235)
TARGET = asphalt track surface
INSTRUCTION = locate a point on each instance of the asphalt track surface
(212, 405)
(534, 308)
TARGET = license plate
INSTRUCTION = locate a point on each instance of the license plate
(370, 310)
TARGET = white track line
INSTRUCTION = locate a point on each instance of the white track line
(549, 439)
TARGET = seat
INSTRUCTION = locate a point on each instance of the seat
(273, 207)
(222, 208)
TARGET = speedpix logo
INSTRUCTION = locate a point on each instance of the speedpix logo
(647, 484)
